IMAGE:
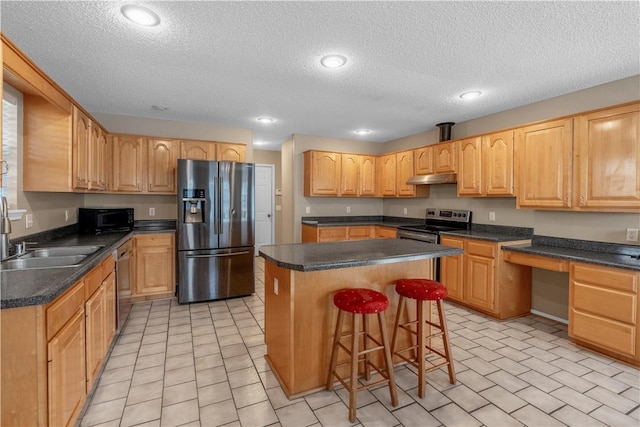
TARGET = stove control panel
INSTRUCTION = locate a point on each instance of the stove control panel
(448, 215)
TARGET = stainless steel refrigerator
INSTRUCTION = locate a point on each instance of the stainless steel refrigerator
(215, 230)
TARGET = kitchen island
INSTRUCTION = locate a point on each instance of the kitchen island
(300, 280)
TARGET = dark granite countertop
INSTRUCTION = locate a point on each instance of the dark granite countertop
(590, 252)
(19, 288)
(342, 221)
(333, 255)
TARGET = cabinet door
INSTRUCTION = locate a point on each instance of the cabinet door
(332, 234)
(479, 281)
(498, 164)
(445, 157)
(451, 269)
(81, 149)
(367, 179)
(230, 152)
(66, 372)
(470, 167)
(364, 232)
(608, 158)
(322, 173)
(544, 165)
(110, 309)
(162, 165)
(349, 176)
(95, 335)
(197, 150)
(424, 160)
(103, 160)
(128, 152)
(387, 175)
(155, 261)
(404, 171)
(385, 232)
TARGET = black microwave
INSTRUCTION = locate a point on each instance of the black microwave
(96, 221)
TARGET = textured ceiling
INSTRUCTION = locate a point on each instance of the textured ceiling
(227, 63)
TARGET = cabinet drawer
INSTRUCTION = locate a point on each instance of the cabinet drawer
(605, 333)
(609, 303)
(154, 240)
(487, 250)
(327, 234)
(356, 233)
(386, 232)
(108, 266)
(605, 277)
(92, 281)
(63, 308)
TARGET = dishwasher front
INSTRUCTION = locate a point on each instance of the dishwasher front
(124, 268)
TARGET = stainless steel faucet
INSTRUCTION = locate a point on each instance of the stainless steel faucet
(5, 229)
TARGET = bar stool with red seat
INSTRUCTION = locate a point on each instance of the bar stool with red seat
(361, 301)
(423, 291)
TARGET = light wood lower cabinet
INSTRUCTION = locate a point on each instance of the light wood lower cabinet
(481, 279)
(155, 266)
(603, 310)
(311, 233)
(51, 354)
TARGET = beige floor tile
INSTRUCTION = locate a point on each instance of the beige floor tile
(214, 393)
(490, 415)
(540, 399)
(144, 376)
(111, 392)
(180, 413)
(257, 415)
(218, 414)
(453, 415)
(179, 393)
(180, 361)
(180, 375)
(147, 350)
(150, 361)
(103, 412)
(215, 375)
(144, 392)
(249, 394)
(295, 415)
(141, 413)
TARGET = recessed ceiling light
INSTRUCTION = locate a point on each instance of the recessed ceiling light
(363, 131)
(159, 107)
(140, 15)
(470, 95)
(333, 61)
(265, 120)
(260, 142)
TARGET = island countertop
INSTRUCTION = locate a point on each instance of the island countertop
(333, 255)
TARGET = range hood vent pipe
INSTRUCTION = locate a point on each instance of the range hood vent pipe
(445, 130)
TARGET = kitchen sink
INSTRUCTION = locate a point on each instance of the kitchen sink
(60, 251)
(42, 262)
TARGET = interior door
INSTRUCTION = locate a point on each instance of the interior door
(265, 224)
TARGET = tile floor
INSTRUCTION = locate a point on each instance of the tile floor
(202, 365)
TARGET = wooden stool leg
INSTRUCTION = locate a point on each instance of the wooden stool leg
(387, 359)
(397, 324)
(365, 327)
(445, 340)
(334, 349)
(421, 308)
(353, 389)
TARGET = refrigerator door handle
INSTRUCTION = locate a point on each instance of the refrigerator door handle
(216, 208)
(218, 255)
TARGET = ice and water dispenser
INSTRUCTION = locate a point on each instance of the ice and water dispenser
(193, 205)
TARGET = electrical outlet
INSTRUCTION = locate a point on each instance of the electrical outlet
(28, 220)
(632, 234)
(152, 211)
(405, 211)
(307, 209)
(66, 215)
(348, 209)
(492, 216)
(275, 286)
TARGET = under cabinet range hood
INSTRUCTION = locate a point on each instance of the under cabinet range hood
(441, 178)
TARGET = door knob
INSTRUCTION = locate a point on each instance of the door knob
(268, 215)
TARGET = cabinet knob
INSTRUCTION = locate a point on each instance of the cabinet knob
(581, 200)
(138, 186)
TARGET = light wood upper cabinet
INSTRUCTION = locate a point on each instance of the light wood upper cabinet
(197, 150)
(607, 165)
(544, 165)
(161, 165)
(470, 167)
(98, 159)
(424, 160)
(81, 149)
(387, 175)
(367, 176)
(322, 173)
(129, 153)
(405, 170)
(230, 152)
(350, 174)
(155, 265)
(485, 166)
(445, 157)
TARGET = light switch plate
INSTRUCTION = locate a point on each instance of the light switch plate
(28, 220)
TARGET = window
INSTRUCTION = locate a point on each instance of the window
(11, 105)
